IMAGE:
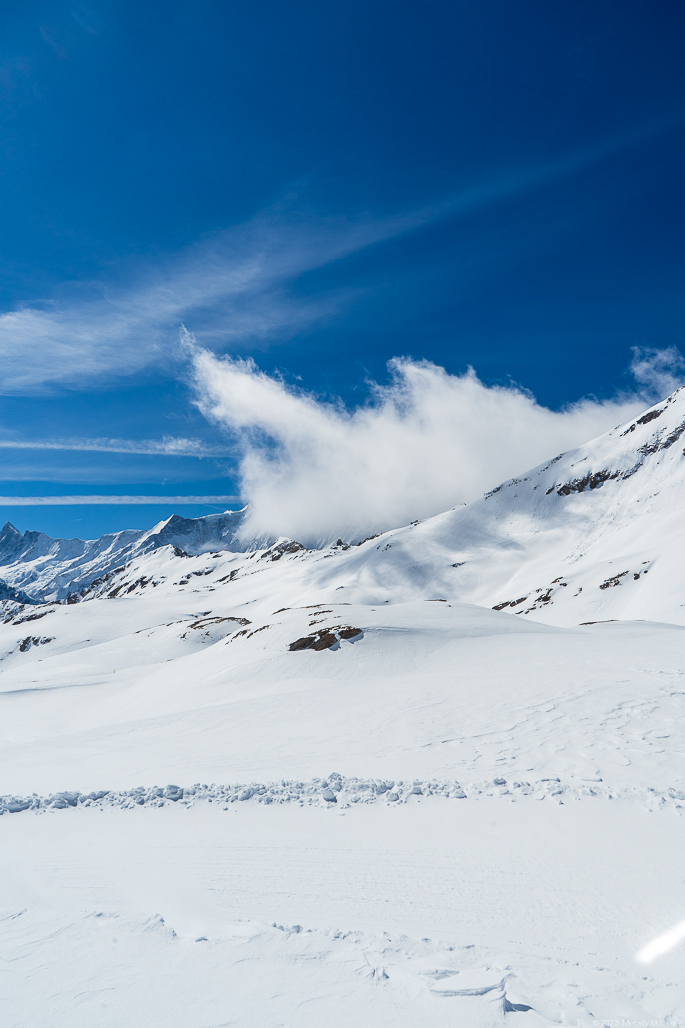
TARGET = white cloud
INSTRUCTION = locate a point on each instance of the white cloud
(657, 372)
(424, 443)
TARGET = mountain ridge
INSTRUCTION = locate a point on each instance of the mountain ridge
(46, 569)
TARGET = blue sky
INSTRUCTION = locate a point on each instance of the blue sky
(322, 188)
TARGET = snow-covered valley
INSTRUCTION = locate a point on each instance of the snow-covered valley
(452, 754)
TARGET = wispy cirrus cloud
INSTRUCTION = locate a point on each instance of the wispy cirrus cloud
(168, 446)
(96, 500)
(235, 287)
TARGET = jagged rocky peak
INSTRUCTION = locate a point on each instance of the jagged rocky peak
(49, 568)
(13, 543)
(198, 535)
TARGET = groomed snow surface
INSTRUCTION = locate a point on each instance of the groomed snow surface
(294, 787)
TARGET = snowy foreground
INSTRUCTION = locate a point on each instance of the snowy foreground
(439, 912)
(285, 786)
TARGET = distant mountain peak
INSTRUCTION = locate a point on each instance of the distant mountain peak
(50, 569)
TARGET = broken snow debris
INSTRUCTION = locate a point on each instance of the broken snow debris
(328, 791)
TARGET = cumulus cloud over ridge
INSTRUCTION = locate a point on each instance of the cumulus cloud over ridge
(424, 443)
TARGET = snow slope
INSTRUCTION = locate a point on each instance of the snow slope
(278, 785)
(594, 534)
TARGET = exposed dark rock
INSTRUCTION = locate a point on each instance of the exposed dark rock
(35, 640)
(305, 643)
(591, 480)
(613, 581)
(263, 627)
(276, 552)
(209, 621)
(649, 416)
(33, 617)
(325, 638)
(325, 641)
(663, 444)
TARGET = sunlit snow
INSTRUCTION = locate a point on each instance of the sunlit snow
(430, 778)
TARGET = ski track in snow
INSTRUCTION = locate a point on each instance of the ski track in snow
(503, 831)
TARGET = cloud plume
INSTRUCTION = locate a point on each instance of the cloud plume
(423, 443)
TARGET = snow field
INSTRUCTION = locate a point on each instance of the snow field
(426, 914)
(428, 691)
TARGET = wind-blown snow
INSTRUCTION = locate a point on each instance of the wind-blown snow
(429, 440)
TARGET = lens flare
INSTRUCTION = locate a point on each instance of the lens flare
(661, 944)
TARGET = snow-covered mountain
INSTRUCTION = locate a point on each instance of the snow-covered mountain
(50, 569)
(593, 534)
(500, 826)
